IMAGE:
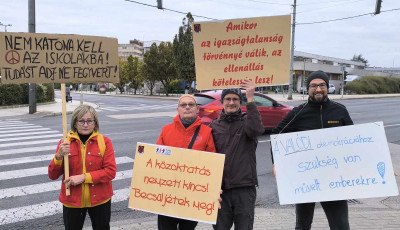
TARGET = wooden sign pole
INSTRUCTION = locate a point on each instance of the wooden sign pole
(65, 130)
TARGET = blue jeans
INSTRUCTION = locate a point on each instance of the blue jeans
(336, 211)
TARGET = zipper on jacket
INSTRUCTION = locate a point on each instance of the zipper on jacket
(83, 184)
(320, 112)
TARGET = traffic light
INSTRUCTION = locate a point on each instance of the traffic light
(159, 4)
(378, 6)
(344, 75)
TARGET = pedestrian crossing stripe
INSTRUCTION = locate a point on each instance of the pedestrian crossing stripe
(20, 173)
(130, 108)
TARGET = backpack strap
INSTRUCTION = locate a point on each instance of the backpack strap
(102, 144)
(194, 137)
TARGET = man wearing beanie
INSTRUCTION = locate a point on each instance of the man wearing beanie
(235, 135)
(186, 131)
(317, 113)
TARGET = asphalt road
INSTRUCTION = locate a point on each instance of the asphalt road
(129, 120)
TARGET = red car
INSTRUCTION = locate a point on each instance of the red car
(272, 112)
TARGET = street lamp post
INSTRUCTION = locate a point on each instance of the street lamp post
(5, 26)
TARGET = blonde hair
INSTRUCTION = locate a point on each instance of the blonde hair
(187, 95)
(80, 111)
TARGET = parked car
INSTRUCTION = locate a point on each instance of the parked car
(332, 89)
(272, 112)
(303, 90)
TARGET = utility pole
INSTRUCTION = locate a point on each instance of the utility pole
(292, 53)
(32, 29)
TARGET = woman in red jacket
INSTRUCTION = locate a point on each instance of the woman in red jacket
(91, 168)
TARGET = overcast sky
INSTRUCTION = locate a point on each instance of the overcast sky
(376, 37)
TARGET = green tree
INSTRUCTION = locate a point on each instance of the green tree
(132, 66)
(184, 51)
(166, 68)
(123, 75)
(360, 58)
(149, 69)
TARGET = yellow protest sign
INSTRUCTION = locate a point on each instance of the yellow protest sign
(56, 58)
(176, 182)
(227, 52)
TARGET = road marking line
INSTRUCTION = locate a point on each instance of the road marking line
(28, 133)
(29, 150)
(47, 187)
(17, 125)
(24, 213)
(11, 122)
(24, 130)
(23, 160)
(22, 127)
(141, 131)
(20, 173)
(392, 125)
(30, 137)
(29, 143)
(143, 115)
(264, 141)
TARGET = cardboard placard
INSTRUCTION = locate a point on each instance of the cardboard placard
(56, 58)
(227, 52)
(348, 162)
(177, 182)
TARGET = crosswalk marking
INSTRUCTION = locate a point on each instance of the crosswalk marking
(22, 127)
(31, 137)
(13, 215)
(144, 115)
(29, 150)
(17, 125)
(19, 173)
(30, 142)
(23, 160)
(25, 130)
(47, 187)
(27, 133)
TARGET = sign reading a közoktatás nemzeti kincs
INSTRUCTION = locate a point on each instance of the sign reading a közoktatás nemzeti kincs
(177, 182)
(348, 162)
(229, 51)
(56, 58)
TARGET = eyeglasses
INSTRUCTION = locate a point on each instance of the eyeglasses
(191, 105)
(231, 99)
(315, 86)
(88, 122)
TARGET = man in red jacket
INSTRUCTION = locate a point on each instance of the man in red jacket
(180, 134)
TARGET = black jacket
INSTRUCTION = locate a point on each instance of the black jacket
(236, 137)
(312, 115)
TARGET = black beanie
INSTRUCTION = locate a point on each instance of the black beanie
(236, 91)
(317, 74)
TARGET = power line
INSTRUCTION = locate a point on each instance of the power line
(339, 19)
(175, 11)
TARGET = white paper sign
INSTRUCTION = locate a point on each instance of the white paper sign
(340, 163)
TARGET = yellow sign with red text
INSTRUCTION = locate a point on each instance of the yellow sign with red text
(177, 182)
(57, 58)
(227, 52)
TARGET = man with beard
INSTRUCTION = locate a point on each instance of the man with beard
(317, 113)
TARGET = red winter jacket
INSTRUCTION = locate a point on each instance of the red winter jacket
(176, 135)
(97, 187)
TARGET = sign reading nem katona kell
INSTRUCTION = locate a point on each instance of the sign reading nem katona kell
(177, 182)
(341, 163)
(48, 58)
(227, 52)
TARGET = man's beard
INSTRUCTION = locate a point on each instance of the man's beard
(319, 99)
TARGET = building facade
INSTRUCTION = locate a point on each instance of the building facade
(134, 48)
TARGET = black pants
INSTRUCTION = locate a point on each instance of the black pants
(336, 211)
(237, 207)
(171, 223)
(99, 215)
